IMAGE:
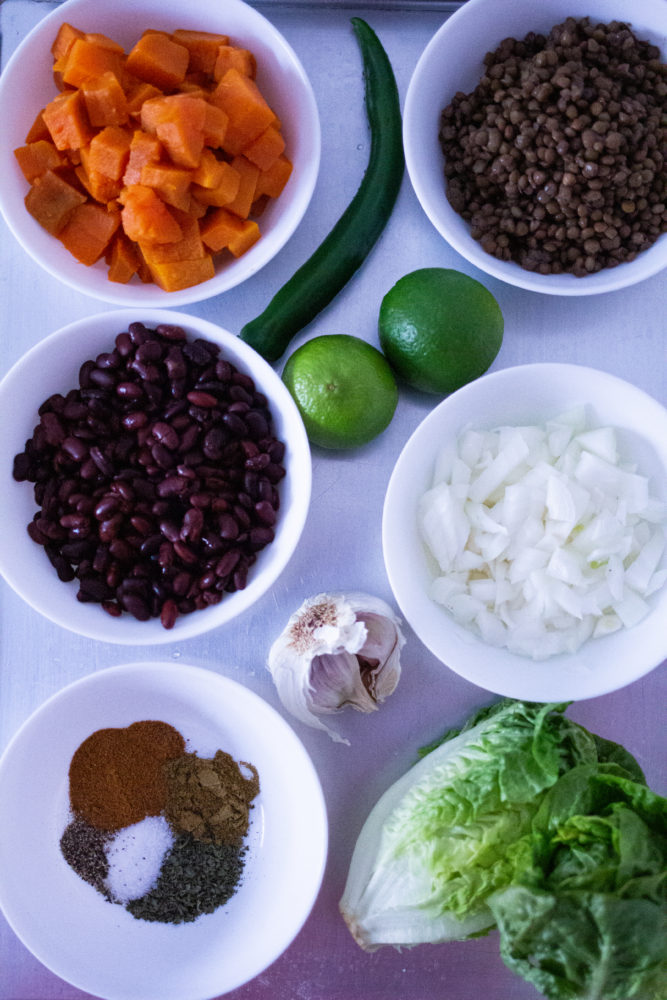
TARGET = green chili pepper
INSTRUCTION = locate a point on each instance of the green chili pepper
(348, 244)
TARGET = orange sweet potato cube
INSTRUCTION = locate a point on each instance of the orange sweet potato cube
(67, 121)
(202, 46)
(144, 148)
(88, 231)
(35, 158)
(171, 183)
(266, 148)
(137, 93)
(225, 191)
(248, 112)
(189, 247)
(221, 230)
(215, 126)
(211, 170)
(146, 218)
(234, 57)
(249, 173)
(157, 59)
(105, 99)
(109, 152)
(65, 38)
(51, 200)
(273, 180)
(123, 259)
(178, 121)
(175, 275)
(90, 57)
(38, 130)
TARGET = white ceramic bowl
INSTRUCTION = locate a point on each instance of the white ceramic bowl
(26, 86)
(98, 946)
(52, 366)
(526, 394)
(453, 61)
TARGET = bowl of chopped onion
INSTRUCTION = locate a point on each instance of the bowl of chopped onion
(524, 532)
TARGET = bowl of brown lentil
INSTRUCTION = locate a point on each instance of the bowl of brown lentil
(534, 140)
(157, 476)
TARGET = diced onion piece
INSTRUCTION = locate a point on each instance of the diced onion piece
(544, 538)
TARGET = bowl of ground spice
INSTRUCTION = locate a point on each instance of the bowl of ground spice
(158, 476)
(174, 838)
(534, 139)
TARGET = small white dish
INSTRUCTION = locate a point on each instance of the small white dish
(98, 946)
(52, 366)
(526, 394)
(26, 86)
(453, 61)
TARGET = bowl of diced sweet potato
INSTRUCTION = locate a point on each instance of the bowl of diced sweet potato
(156, 153)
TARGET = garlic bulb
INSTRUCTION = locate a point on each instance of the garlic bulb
(336, 650)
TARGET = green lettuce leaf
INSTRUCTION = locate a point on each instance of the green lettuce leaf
(585, 912)
(440, 841)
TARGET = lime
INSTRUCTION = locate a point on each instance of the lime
(344, 389)
(439, 329)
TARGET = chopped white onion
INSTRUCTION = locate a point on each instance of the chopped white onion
(542, 536)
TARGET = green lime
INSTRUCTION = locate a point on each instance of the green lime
(344, 389)
(439, 329)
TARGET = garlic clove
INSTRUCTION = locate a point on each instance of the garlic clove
(337, 649)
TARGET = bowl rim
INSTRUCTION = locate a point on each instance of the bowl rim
(458, 648)
(193, 681)
(47, 253)
(95, 623)
(453, 229)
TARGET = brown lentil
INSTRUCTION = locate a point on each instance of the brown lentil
(154, 477)
(557, 158)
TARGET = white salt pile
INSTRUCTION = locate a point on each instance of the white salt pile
(135, 856)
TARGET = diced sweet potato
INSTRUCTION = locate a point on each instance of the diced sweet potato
(90, 58)
(146, 218)
(109, 152)
(35, 158)
(123, 259)
(65, 38)
(158, 60)
(248, 112)
(137, 93)
(189, 247)
(211, 170)
(266, 148)
(202, 46)
(224, 192)
(172, 184)
(67, 121)
(88, 231)
(221, 230)
(245, 195)
(215, 126)
(234, 57)
(144, 148)
(51, 200)
(38, 130)
(105, 99)
(175, 275)
(272, 181)
(178, 121)
(137, 152)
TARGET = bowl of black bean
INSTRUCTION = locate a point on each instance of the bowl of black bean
(157, 476)
(534, 139)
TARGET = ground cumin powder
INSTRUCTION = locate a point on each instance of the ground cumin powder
(116, 776)
(210, 797)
